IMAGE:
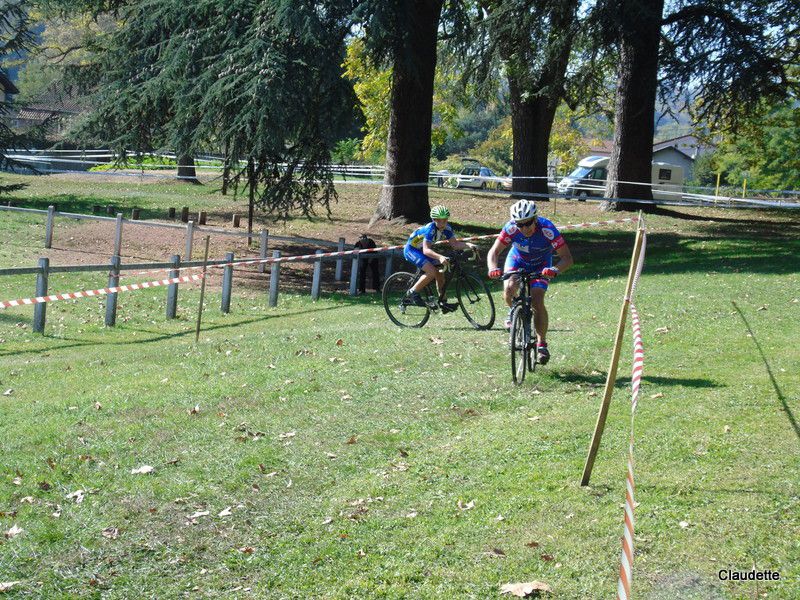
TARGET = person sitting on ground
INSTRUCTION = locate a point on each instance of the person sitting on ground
(368, 261)
(419, 251)
(533, 241)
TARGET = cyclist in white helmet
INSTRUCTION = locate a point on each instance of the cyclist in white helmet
(419, 251)
(533, 240)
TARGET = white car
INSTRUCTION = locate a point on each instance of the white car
(480, 178)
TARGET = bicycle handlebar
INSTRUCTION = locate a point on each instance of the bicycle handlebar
(524, 274)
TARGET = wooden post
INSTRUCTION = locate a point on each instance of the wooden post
(235, 221)
(185, 214)
(340, 260)
(262, 267)
(316, 281)
(716, 192)
(172, 289)
(388, 269)
(111, 299)
(189, 240)
(201, 218)
(611, 378)
(227, 283)
(96, 209)
(356, 263)
(48, 232)
(135, 214)
(118, 236)
(40, 310)
(110, 210)
(274, 275)
(202, 292)
(171, 213)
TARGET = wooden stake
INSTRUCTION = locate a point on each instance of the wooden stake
(202, 292)
(611, 378)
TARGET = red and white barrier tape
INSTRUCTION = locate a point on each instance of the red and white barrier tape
(626, 557)
(136, 286)
(257, 261)
(100, 292)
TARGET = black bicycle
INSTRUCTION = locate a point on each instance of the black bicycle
(472, 293)
(522, 340)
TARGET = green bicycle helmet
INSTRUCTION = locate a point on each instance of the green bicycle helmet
(440, 212)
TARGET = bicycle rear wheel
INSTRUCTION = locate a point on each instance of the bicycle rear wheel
(519, 341)
(400, 311)
(475, 300)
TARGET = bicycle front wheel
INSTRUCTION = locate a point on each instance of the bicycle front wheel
(395, 301)
(519, 340)
(475, 300)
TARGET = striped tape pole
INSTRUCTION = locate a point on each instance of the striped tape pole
(99, 292)
(626, 556)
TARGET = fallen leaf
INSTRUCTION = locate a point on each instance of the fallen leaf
(411, 515)
(288, 434)
(27, 500)
(17, 481)
(546, 557)
(246, 549)
(198, 514)
(225, 512)
(340, 342)
(111, 533)
(532, 544)
(762, 307)
(361, 553)
(436, 341)
(77, 495)
(330, 455)
(499, 518)
(662, 330)
(497, 552)
(658, 395)
(14, 531)
(352, 440)
(347, 397)
(194, 410)
(8, 392)
(143, 470)
(536, 418)
(7, 585)
(727, 428)
(328, 521)
(684, 524)
(523, 590)
(469, 505)
(98, 406)
(403, 453)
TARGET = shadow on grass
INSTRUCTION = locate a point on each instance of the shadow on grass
(157, 336)
(581, 378)
(778, 392)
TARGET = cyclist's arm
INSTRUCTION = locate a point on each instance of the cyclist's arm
(494, 254)
(565, 260)
(457, 244)
(428, 251)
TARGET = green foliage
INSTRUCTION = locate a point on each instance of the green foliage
(346, 151)
(373, 86)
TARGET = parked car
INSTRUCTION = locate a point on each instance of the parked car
(589, 179)
(478, 177)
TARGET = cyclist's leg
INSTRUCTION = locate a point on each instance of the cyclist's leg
(511, 286)
(418, 259)
(429, 273)
(540, 318)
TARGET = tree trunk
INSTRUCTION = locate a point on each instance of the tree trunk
(226, 169)
(186, 170)
(251, 197)
(531, 123)
(630, 167)
(408, 147)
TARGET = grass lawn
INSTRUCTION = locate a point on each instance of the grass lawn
(313, 450)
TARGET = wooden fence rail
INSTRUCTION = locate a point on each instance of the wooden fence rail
(115, 268)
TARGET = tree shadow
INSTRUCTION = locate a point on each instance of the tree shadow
(778, 392)
(600, 379)
(157, 336)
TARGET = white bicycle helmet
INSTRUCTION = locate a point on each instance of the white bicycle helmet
(523, 210)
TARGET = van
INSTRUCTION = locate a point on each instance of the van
(589, 179)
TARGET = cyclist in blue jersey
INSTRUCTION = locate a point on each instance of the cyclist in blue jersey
(533, 240)
(419, 251)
